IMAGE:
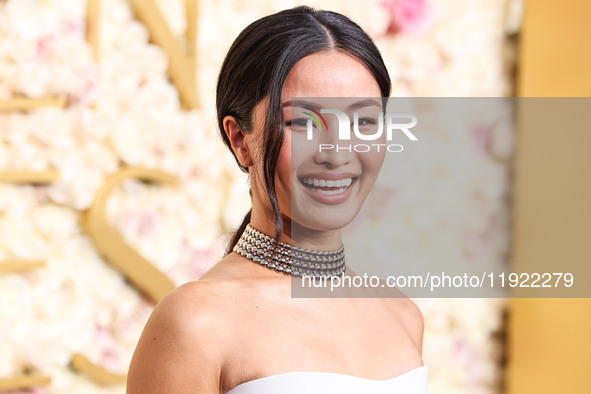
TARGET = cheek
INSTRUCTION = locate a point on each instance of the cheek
(372, 162)
(284, 162)
(285, 156)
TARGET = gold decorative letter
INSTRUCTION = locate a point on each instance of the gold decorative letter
(182, 62)
(95, 373)
(181, 58)
(110, 243)
(26, 104)
(92, 26)
(19, 266)
(23, 382)
(23, 177)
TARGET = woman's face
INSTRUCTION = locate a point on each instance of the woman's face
(323, 189)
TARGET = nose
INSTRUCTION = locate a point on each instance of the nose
(331, 152)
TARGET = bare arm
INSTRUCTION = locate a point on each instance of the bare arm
(177, 350)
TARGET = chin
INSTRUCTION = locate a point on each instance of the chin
(323, 218)
(319, 210)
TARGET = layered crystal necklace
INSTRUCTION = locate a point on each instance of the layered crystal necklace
(289, 259)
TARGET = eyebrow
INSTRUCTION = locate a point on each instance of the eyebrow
(364, 103)
(301, 103)
(315, 106)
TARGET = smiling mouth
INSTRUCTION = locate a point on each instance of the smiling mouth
(328, 186)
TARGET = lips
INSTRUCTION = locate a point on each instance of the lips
(329, 188)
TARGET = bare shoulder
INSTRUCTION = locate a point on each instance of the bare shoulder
(194, 305)
(402, 308)
(407, 311)
(180, 347)
(412, 319)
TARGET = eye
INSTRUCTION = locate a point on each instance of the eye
(368, 125)
(366, 122)
(298, 123)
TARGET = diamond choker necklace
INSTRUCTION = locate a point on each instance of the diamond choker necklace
(288, 259)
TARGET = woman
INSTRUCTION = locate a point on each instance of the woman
(237, 329)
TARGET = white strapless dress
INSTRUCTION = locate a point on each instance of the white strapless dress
(411, 382)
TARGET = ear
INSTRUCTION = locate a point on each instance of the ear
(238, 141)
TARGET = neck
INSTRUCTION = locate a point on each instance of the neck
(296, 234)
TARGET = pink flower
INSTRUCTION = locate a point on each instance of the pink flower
(411, 16)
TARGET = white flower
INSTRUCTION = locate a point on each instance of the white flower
(56, 223)
(237, 204)
(29, 19)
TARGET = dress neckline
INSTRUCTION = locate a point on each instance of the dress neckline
(335, 374)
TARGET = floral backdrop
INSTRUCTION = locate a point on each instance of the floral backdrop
(123, 111)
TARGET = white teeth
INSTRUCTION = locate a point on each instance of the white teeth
(341, 183)
(330, 191)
